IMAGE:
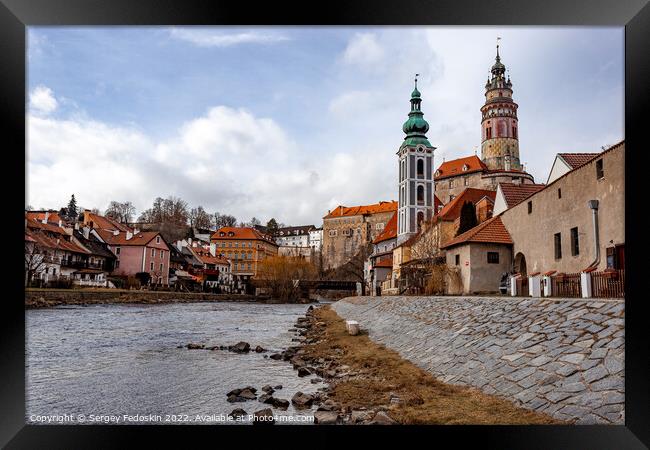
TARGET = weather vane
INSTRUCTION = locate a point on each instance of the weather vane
(416, 80)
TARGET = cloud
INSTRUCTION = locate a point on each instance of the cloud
(363, 49)
(210, 38)
(42, 100)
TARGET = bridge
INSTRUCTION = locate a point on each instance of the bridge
(312, 285)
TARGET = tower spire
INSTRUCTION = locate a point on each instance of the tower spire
(498, 57)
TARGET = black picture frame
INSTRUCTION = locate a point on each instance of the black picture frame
(634, 15)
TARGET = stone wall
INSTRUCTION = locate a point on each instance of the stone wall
(563, 357)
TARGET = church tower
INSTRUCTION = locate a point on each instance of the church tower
(499, 141)
(415, 172)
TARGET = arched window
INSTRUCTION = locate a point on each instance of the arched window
(420, 195)
(420, 168)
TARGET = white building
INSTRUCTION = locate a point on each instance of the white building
(316, 239)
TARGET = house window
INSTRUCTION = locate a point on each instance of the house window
(157, 239)
(530, 207)
(161, 267)
(332, 232)
(558, 245)
(117, 250)
(599, 169)
(575, 244)
(514, 132)
(451, 184)
(162, 254)
(493, 257)
(458, 260)
(151, 266)
(466, 181)
(117, 264)
(559, 193)
(153, 252)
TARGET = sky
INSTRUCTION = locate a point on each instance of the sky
(290, 122)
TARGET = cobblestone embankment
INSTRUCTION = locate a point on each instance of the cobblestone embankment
(563, 357)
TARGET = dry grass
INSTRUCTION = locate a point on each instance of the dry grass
(424, 400)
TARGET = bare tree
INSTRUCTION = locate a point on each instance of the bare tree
(35, 261)
(122, 212)
(199, 218)
(353, 269)
(224, 220)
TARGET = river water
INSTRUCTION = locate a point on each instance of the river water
(117, 360)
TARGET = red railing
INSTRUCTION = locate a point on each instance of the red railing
(566, 285)
(608, 284)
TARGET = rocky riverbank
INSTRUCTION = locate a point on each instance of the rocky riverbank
(370, 384)
(48, 298)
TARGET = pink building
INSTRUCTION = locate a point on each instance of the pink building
(144, 251)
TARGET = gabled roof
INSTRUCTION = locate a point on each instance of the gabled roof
(104, 223)
(390, 230)
(43, 240)
(451, 211)
(513, 194)
(455, 167)
(346, 211)
(36, 224)
(93, 245)
(52, 216)
(206, 257)
(142, 238)
(574, 160)
(492, 231)
(242, 233)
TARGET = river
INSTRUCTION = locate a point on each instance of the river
(116, 360)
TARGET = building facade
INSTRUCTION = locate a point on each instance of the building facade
(348, 230)
(245, 247)
(415, 157)
(576, 222)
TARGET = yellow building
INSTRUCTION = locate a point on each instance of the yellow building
(246, 247)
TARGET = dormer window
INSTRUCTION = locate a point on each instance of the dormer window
(465, 167)
(437, 174)
(222, 233)
(230, 233)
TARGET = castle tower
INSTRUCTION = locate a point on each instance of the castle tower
(499, 135)
(415, 155)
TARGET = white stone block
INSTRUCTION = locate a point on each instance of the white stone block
(547, 286)
(352, 326)
(513, 286)
(535, 286)
(585, 284)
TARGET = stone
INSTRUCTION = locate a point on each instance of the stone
(268, 389)
(263, 417)
(277, 387)
(573, 387)
(280, 403)
(557, 396)
(521, 373)
(276, 356)
(240, 347)
(612, 382)
(303, 372)
(512, 357)
(360, 416)
(265, 398)
(192, 346)
(381, 418)
(237, 412)
(613, 397)
(326, 418)
(247, 394)
(329, 405)
(595, 374)
(587, 343)
(614, 365)
(234, 392)
(598, 353)
(316, 380)
(300, 400)
(573, 358)
(259, 349)
(539, 361)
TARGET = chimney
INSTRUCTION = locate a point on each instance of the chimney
(76, 226)
(86, 232)
(116, 232)
(129, 235)
(213, 248)
(60, 223)
(135, 231)
(47, 216)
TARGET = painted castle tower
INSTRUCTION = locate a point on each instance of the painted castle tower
(415, 155)
(499, 142)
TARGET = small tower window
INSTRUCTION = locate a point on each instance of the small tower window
(420, 195)
(420, 168)
(600, 172)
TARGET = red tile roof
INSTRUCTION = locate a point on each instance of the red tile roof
(455, 167)
(242, 233)
(43, 240)
(491, 231)
(577, 159)
(514, 194)
(390, 230)
(52, 217)
(451, 211)
(386, 262)
(142, 238)
(36, 224)
(341, 211)
(105, 223)
(206, 257)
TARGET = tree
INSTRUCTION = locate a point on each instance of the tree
(467, 218)
(122, 212)
(71, 211)
(171, 210)
(34, 261)
(255, 221)
(271, 226)
(279, 272)
(353, 269)
(224, 220)
(199, 218)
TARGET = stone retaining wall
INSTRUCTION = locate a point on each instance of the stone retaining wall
(563, 357)
(44, 298)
